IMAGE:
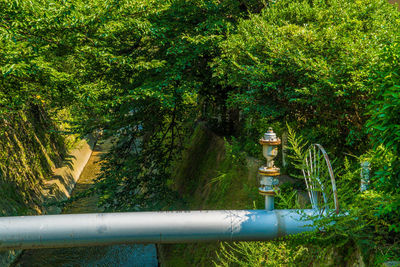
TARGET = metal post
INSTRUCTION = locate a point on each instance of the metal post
(365, 168)
(268, 173)
(269, 203)
(284, 149)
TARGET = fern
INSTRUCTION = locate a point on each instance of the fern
(297, 150)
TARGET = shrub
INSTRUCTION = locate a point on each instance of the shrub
(384, 126)
(384, 123)
(308, 62)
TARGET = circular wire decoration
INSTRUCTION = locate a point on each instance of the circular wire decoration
(320, 180)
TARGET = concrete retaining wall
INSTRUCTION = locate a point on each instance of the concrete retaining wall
(60, 187)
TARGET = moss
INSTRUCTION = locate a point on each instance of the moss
(200, 161)
(210, 176)
(214, 174)
(30, 149)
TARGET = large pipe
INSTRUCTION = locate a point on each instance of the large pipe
(70, 230)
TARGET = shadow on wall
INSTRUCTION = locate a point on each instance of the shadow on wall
(35, 168)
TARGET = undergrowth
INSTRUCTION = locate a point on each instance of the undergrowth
(361, 233)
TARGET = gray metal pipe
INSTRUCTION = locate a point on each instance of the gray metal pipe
(70, 230)
(269, 202)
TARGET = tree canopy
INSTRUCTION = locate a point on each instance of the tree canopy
(147, 71)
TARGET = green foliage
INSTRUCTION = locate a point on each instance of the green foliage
(262, 254)
(385, 112)
(233, 165)
(367, 224)
(35, 59)
(384, 129)
(29, 149)
(286, 197)
(37, 80)
(146, 72)
(273, 253)
(362, 225)
(307, 62)
(368, 220)
(296, 151)
(234, 153)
